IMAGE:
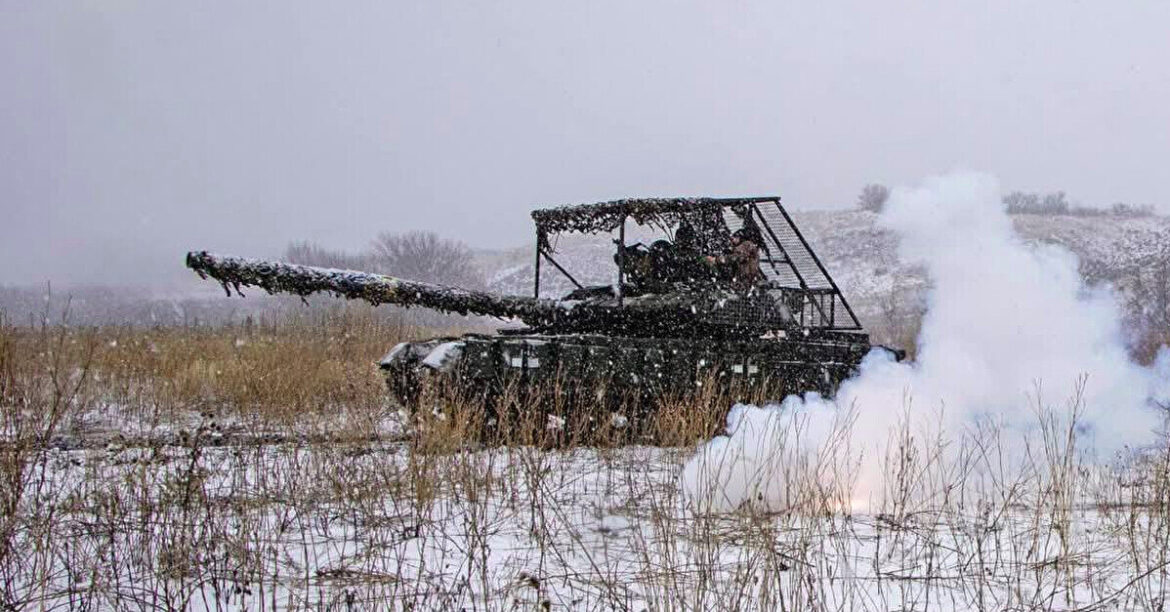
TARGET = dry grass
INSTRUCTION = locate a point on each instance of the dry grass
(279, 370)
(178, 499)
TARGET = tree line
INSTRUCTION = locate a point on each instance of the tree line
(873, 198)
(422, 256)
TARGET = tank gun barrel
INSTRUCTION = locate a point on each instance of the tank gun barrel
(648, 315)
(279, 277)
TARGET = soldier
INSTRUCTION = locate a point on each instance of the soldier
(637, 263)
(679, 261)
(742, 263)
(684, 257)
(685, 239)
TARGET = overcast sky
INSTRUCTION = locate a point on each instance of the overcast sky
(132, 131)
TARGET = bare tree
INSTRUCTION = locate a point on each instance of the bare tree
(426, 257)
(1019, 202)
(1121, 209)
(1054, 203)
(873, 197)
(312, 254)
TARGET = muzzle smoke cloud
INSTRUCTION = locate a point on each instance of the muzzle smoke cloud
(1006, 322)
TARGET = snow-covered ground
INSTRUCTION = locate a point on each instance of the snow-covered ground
(298, 525)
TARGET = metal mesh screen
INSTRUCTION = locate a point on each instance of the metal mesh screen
(788, 264)
(784, 259)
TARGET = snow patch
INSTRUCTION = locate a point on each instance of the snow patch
(443, 356)
(395, 353)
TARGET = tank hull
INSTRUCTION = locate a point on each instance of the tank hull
(618, 367)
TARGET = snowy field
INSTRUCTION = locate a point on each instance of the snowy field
(359, 525)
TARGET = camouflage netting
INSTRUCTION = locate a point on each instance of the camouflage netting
(704, 214)
(278, 277)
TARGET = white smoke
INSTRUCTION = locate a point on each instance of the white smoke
(765, 449)
(1005, 321)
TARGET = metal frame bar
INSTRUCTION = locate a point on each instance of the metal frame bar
(821, 267)
(536, 276)
(621, 262)
(803, 285)
(558, 267)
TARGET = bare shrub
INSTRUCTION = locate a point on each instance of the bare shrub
(44, 379)
(873, 197)
(426, 257)
(1019, 202)
(1149, 308)
(898, 320)
(1144, 287)
(422, 256)
(312, 254)
(1121, 209)
(1057, 203)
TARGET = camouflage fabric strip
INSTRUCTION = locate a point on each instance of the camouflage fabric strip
(277, 277)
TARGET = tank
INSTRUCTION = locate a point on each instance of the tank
(682, 312)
